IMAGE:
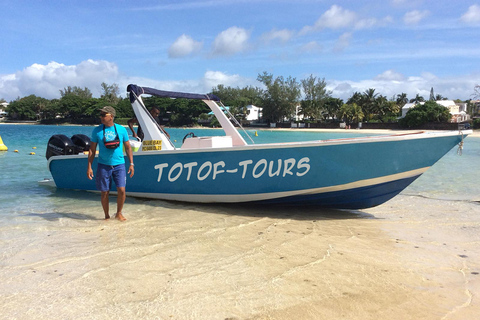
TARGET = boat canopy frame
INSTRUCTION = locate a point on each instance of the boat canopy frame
(211, 100)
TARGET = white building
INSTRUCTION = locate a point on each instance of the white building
(253, 113)
(3, 107)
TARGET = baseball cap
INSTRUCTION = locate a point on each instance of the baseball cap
(108, 109)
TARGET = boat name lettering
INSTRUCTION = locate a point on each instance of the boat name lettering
(209, 170)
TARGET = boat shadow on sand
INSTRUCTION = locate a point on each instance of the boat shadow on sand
(249, 210)
(279, 212)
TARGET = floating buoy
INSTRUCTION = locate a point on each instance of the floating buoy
(32, 153)
(15, 151)
(3, 147)
(256, 134)
(34, 148)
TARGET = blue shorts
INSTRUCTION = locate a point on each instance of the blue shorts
(105, 175)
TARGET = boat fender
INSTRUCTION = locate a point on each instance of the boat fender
(3, 147)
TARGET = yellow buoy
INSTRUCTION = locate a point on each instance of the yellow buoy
(32, 153)
(34, 147)
(3, 147)
(15, 150)
(256, 134)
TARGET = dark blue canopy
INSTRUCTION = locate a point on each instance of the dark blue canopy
(132, 88)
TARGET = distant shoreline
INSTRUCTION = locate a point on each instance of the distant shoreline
(476, 132)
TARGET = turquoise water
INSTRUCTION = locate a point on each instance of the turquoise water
(454, 177)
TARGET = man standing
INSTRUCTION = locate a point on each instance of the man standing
(155, 112)
(110, 137)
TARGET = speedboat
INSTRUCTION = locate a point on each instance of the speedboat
(351, 173)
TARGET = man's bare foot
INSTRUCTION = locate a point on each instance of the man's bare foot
(119, 216)
(107, 217)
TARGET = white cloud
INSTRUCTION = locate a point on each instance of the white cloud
(415, 16)
(277, 35)
(343, 42)
(334, 18)
(231, 41)
(339, 18)
(47, 80)
(472, 16)
(373, 22)
(390, 75)
(184, 46)
(391, 83)
(311, 47)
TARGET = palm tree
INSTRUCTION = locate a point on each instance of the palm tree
(350, 113)
(402, 99)
(418, 98)
(369, 102)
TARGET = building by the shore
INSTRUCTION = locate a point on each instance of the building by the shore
(3, 110)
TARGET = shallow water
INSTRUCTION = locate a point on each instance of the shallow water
(415, 257)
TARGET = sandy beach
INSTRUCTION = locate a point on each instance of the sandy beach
(174, 261)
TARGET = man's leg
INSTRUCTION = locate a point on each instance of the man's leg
(120, 178)
(104, 197)
(120, 201)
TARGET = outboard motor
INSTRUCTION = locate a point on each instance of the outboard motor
(60, 145)
(81, 142)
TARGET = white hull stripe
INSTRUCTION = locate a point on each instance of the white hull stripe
(206, 198)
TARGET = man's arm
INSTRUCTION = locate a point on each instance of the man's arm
(130, 125)
(128, 151)
(91, 157)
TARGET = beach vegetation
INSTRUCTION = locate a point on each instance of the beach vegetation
(312, 107)
(430, 111)
(280, 98)
(350, 113)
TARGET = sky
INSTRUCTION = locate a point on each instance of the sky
(392, 46)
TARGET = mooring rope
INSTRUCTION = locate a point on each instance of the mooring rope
(460, 146)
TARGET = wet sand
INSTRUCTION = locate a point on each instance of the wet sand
(411, 258)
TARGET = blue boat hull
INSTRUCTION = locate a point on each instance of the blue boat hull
(350, 173)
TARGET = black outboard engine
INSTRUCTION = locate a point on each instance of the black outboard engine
(81, 142)
(60, 145)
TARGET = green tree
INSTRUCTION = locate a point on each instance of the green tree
(369, 103)
(350, 113)
(316, 94)
(432, 95)
(280, 97)
(402, 99)
(418, 98)
(238, 98)
(355, 98)
(386, 110)
(110, 93)
(332, 107)
(72, 106)
(82, 93)
(476, 92)
(430, 111)
(27, 108)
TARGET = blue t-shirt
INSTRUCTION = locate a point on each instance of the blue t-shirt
(111, 157)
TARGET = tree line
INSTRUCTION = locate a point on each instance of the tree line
(282, 99)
